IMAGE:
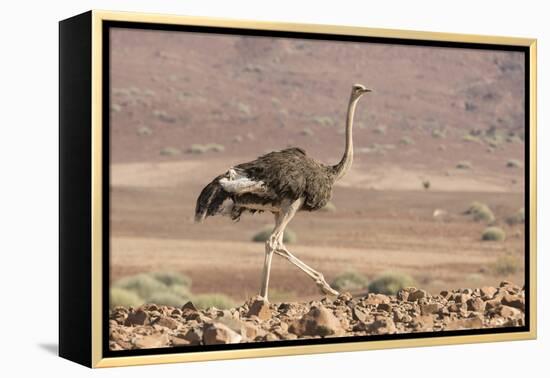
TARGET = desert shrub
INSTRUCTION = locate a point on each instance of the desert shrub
(197, 149)
(350, 281)
(507, 264)
(513, 163)
(441, 147)
(142, 284)
(438, 133)
(471, 138)
(115, 108)
(390, 283)
(163, 116)
(464, 165)
(516, 218)
(169, 151)
(480, 212)
(306, 132)
(406, 141)
(215, 147)
(493, 234)
(144, 130)
(172, 278)
(288, 237)
(123, 297)
(244, 108)
(380, 130)
(167, 298)
(426, 184)
(474, 278)
(329, 207)
(324, 120)
(220, 301)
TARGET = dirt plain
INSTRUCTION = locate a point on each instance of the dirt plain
(431, 109)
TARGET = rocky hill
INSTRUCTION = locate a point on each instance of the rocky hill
(411, 310)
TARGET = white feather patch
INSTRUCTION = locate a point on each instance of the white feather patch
(238, 183)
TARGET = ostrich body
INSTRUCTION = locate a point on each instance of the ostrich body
(282, 182)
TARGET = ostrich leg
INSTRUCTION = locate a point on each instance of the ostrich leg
(270, 246)
(283, 219)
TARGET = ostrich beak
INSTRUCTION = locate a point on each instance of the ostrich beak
(366, 90)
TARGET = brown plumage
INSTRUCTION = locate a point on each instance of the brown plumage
(282, 182)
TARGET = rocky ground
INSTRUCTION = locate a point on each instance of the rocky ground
(411, 310)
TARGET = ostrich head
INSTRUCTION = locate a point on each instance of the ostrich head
(358, 90)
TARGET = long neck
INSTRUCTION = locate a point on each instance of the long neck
(344, 165)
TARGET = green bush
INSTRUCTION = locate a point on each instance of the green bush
(480, 212)
(406, 141)
(507, 264)
(167, 298)
(169, 151)
(438, 133)
(172, 278)
(471, 138)
(350, 281)
(513, 163)
(220, 301)
(516, 218)
(142, 285)
(329, 207)
(390, 283)
(493, 234)
(464, 165)
(122, 297)
(288, 237)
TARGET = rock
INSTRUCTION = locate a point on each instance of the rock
(469, 323)
(376, 299)
(492, 304)
(416, 295)
(384, 307)
(461, 297)
(430, 308)
(382, 327)
(157, 340)
(457, 307)
(422, 323)
(189, 307)
(509, 312)
(360, 313)
(514, 301)
(218, 333)
(167, 322)
(139, 317)
(194, 336)
(475, 304)
(446, 294)
(317, 322)
(260, 308)
(179, 341)
(488, 292)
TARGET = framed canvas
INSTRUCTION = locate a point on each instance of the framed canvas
(235, 189)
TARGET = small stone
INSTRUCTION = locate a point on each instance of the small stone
(167, 322)
(461, 297)
(445, 294)
(157, 340)
(416, 295)
(189, 306)
(382, 326)
(514, 301)
(457, 307)
(139, 317)
(376, 299)
(492, 304)
(218, 333)
(260, 308)
(509, 312)
(384, 307)
(194, 336)
(178, 341)
(475, 304)
(317, 322)
(488, 292)
(430, 308)
(360, 313)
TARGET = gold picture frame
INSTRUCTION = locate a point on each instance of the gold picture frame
(82, 266)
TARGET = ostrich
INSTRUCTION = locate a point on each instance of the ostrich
(282, 182)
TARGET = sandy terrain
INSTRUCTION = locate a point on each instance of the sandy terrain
(431, 109)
